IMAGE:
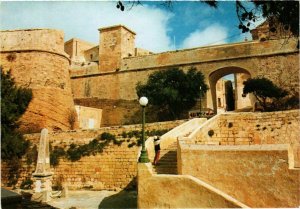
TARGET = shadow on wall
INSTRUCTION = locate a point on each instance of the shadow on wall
(127, 198)
(153, 114)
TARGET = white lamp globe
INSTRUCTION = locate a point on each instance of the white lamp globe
(143, 101)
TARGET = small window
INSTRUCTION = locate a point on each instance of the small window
(91, 56)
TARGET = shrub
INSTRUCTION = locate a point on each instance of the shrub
(56, 154)
(266, 93)
(14, 102)
(26, 184)
(72, 115)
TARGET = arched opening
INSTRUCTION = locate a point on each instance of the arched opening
(219, 96)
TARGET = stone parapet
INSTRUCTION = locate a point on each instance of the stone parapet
(210, 54)
(257, 175)
(33, 39)
(179, 191)
(280, 127)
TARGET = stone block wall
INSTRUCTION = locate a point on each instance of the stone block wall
(269, 59)
(114, 112)
(257, 175)
(280, 127)
(208, 54)
(115, 168)
(37, 39)
(89, 118)
(76, 48)
(37, 60)
(179, 191)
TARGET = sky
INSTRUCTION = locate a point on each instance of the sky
(187, 24)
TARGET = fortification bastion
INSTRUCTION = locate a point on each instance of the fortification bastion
(37, 60)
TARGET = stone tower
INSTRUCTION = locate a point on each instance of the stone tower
(37, 60)
(116, 42)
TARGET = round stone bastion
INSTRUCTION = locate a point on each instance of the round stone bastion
(37, 60)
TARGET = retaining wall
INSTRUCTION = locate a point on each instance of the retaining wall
(280, 127)
(115, 168)
(257, 175)
(179, 191)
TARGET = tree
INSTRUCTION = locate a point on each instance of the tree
(14, 101)
(173, 91)
(229, 96)
(285, 12)
(265, 91)
(249, 12)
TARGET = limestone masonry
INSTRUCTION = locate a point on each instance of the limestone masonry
(113, 76)
(37, 60)
(105, 75)
(233, 160)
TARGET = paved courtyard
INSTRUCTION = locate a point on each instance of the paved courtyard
(97, 199)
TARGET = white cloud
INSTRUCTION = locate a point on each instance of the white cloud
(211, 35)
(83, 19)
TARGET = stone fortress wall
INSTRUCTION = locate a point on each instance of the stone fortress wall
(120, 69)
(105, 76)
(37, 60)
(115, 168)
(280, 127)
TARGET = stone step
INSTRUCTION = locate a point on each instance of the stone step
(174, 171)
(167, 161)
(167, 164)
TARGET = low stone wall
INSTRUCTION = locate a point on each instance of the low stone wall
(168, 138)
(174, 191)
(114, 168)
(257, 175)
(250, 128)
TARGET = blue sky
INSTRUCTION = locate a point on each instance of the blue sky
(190, 24)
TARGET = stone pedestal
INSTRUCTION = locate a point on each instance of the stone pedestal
(42, 188)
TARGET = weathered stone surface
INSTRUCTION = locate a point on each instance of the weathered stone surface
(257, 175)
(43, 160)
(178, 191)
(280, 127)
(269, 59)
(37, 60)
(115, 168)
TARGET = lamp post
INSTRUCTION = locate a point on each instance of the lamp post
(200, 103)
(143, 157)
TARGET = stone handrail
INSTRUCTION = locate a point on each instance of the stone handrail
(179, 189)
(171, 136)
(205, 124)
(254, 168)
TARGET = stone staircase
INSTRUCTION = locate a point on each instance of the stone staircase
(167, 163)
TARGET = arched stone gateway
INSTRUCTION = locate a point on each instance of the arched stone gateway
(218, 74)
(38, 60)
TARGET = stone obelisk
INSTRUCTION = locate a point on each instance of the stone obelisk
(42, 175)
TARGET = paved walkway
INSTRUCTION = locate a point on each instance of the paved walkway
(96, 200)
(75, 200)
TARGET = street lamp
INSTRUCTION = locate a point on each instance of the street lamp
(143, 157)
(200, 102)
